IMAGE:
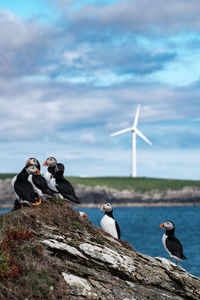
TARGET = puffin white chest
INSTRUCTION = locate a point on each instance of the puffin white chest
(52, 184)
(164, 238)
(48, 177)
(108, 225)
(13, 183)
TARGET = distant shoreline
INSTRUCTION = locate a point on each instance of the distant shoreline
(94, 196)
(128, 204)
(174, 204)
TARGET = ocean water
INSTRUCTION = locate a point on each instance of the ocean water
(140, 227)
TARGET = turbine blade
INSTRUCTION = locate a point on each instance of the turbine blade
(136, 116)
(121, 131)
(142, 136)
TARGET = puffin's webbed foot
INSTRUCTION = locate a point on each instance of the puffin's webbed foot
(38, 202)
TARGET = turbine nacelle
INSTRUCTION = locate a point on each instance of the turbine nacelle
(134, 130)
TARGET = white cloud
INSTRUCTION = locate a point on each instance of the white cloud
(88, 138)
(147, 16)
(65, 87)
(32, 110)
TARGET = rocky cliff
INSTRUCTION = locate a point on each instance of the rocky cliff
(92, 196)
(50, 252)
(98, 194)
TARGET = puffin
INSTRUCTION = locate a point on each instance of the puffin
(61, 185)
(108, 222)
(171, 244)
(38, 181)
(30, 162)
(82, 214)
(50, 162)
(23, 188)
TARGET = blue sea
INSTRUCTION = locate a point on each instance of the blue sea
(140, 227)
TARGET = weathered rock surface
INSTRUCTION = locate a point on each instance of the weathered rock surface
(6, 193)
(97, 195)
(83, 262)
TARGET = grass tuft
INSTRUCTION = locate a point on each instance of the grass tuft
(97, 240)
(40, 283)
(77, 224)
(56, 200)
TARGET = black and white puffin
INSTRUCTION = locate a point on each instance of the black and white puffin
(171, 244)
(50, 162)
(30, 162)
(108, 222)
(23, 188)
(38, 181)
(62, 186)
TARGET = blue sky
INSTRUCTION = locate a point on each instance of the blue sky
(73, 72)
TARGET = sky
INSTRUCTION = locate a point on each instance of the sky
(73, 72)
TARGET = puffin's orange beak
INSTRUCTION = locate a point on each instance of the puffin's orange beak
(86, 216)
(27, 162)
(162, 225)
(102, 207)
(37, 172)
(44, 163)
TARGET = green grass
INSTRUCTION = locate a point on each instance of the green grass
(77, 225)
(7, 175)
(40, 283)
(141, 184)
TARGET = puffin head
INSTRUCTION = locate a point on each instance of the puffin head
(32, 170)
(107, 207)
(59, 168)
(33, 162)
(50, 162)
(83, 214)
(167, 225)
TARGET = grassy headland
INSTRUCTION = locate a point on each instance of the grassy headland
(139, 184)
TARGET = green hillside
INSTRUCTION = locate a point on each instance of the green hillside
(140, 184)
(7, 175)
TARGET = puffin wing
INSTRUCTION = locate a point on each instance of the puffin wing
(175, 247)
(65, 188)
(24, 190)
(118, 229)
(40, 182)
(36, 188)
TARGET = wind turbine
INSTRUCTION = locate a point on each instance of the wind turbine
(134, 132)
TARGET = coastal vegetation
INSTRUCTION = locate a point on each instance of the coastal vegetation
(139, 184)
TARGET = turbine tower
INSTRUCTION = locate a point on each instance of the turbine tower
(134, 132)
